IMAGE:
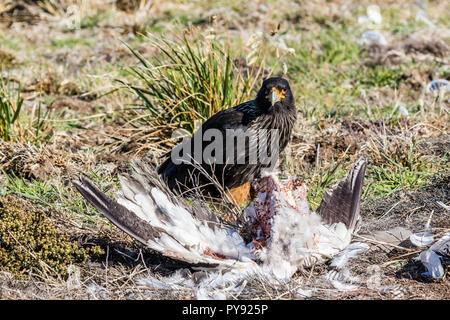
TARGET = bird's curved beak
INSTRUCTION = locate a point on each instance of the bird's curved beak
(276, 96)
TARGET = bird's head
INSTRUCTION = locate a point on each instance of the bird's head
(275, 93)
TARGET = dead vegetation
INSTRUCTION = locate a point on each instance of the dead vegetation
(405, 50)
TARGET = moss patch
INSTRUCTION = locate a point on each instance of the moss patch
(29, 240)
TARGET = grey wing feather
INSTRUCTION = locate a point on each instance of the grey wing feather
(341, 203)
(123, 218)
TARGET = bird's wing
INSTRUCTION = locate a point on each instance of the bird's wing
(229, 118)
(236, 118)
(242, 141)
(158, 220)
(341, 202)
(126, 220)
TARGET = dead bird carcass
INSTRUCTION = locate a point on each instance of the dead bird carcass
(285, 234)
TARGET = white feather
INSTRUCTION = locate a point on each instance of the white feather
(432, 263)
(350, 252)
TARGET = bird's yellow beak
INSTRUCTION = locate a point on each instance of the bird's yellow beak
(275, 95)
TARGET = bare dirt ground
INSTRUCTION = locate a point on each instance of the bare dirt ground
(67, 58)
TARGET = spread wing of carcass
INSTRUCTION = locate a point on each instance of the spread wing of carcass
(284, 233)
(341, 202)
(150, 213)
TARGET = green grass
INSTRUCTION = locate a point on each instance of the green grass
(63, 197)
(10, 107)
(18, 124)
(184, 78)
(190, 81)
(70, 42)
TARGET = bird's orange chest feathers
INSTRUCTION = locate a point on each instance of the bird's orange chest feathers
(240, 194)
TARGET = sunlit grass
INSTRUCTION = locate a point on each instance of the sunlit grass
(10, 107)
(70, 42)
(57, 195)
(192, 79)
(18, 124)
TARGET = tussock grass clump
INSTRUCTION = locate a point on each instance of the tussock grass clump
(191, 80)
(29, 240)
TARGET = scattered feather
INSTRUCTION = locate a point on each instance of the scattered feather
(350, 252)
(176, 281)
(432, 263)
(372, 37)
(342, 281)
(438, 85)
(421, 239)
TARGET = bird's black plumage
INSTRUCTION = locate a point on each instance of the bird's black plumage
(273, 108)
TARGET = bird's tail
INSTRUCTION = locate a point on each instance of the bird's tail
(341, 202)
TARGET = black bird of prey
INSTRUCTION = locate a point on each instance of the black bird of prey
(273, 108)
